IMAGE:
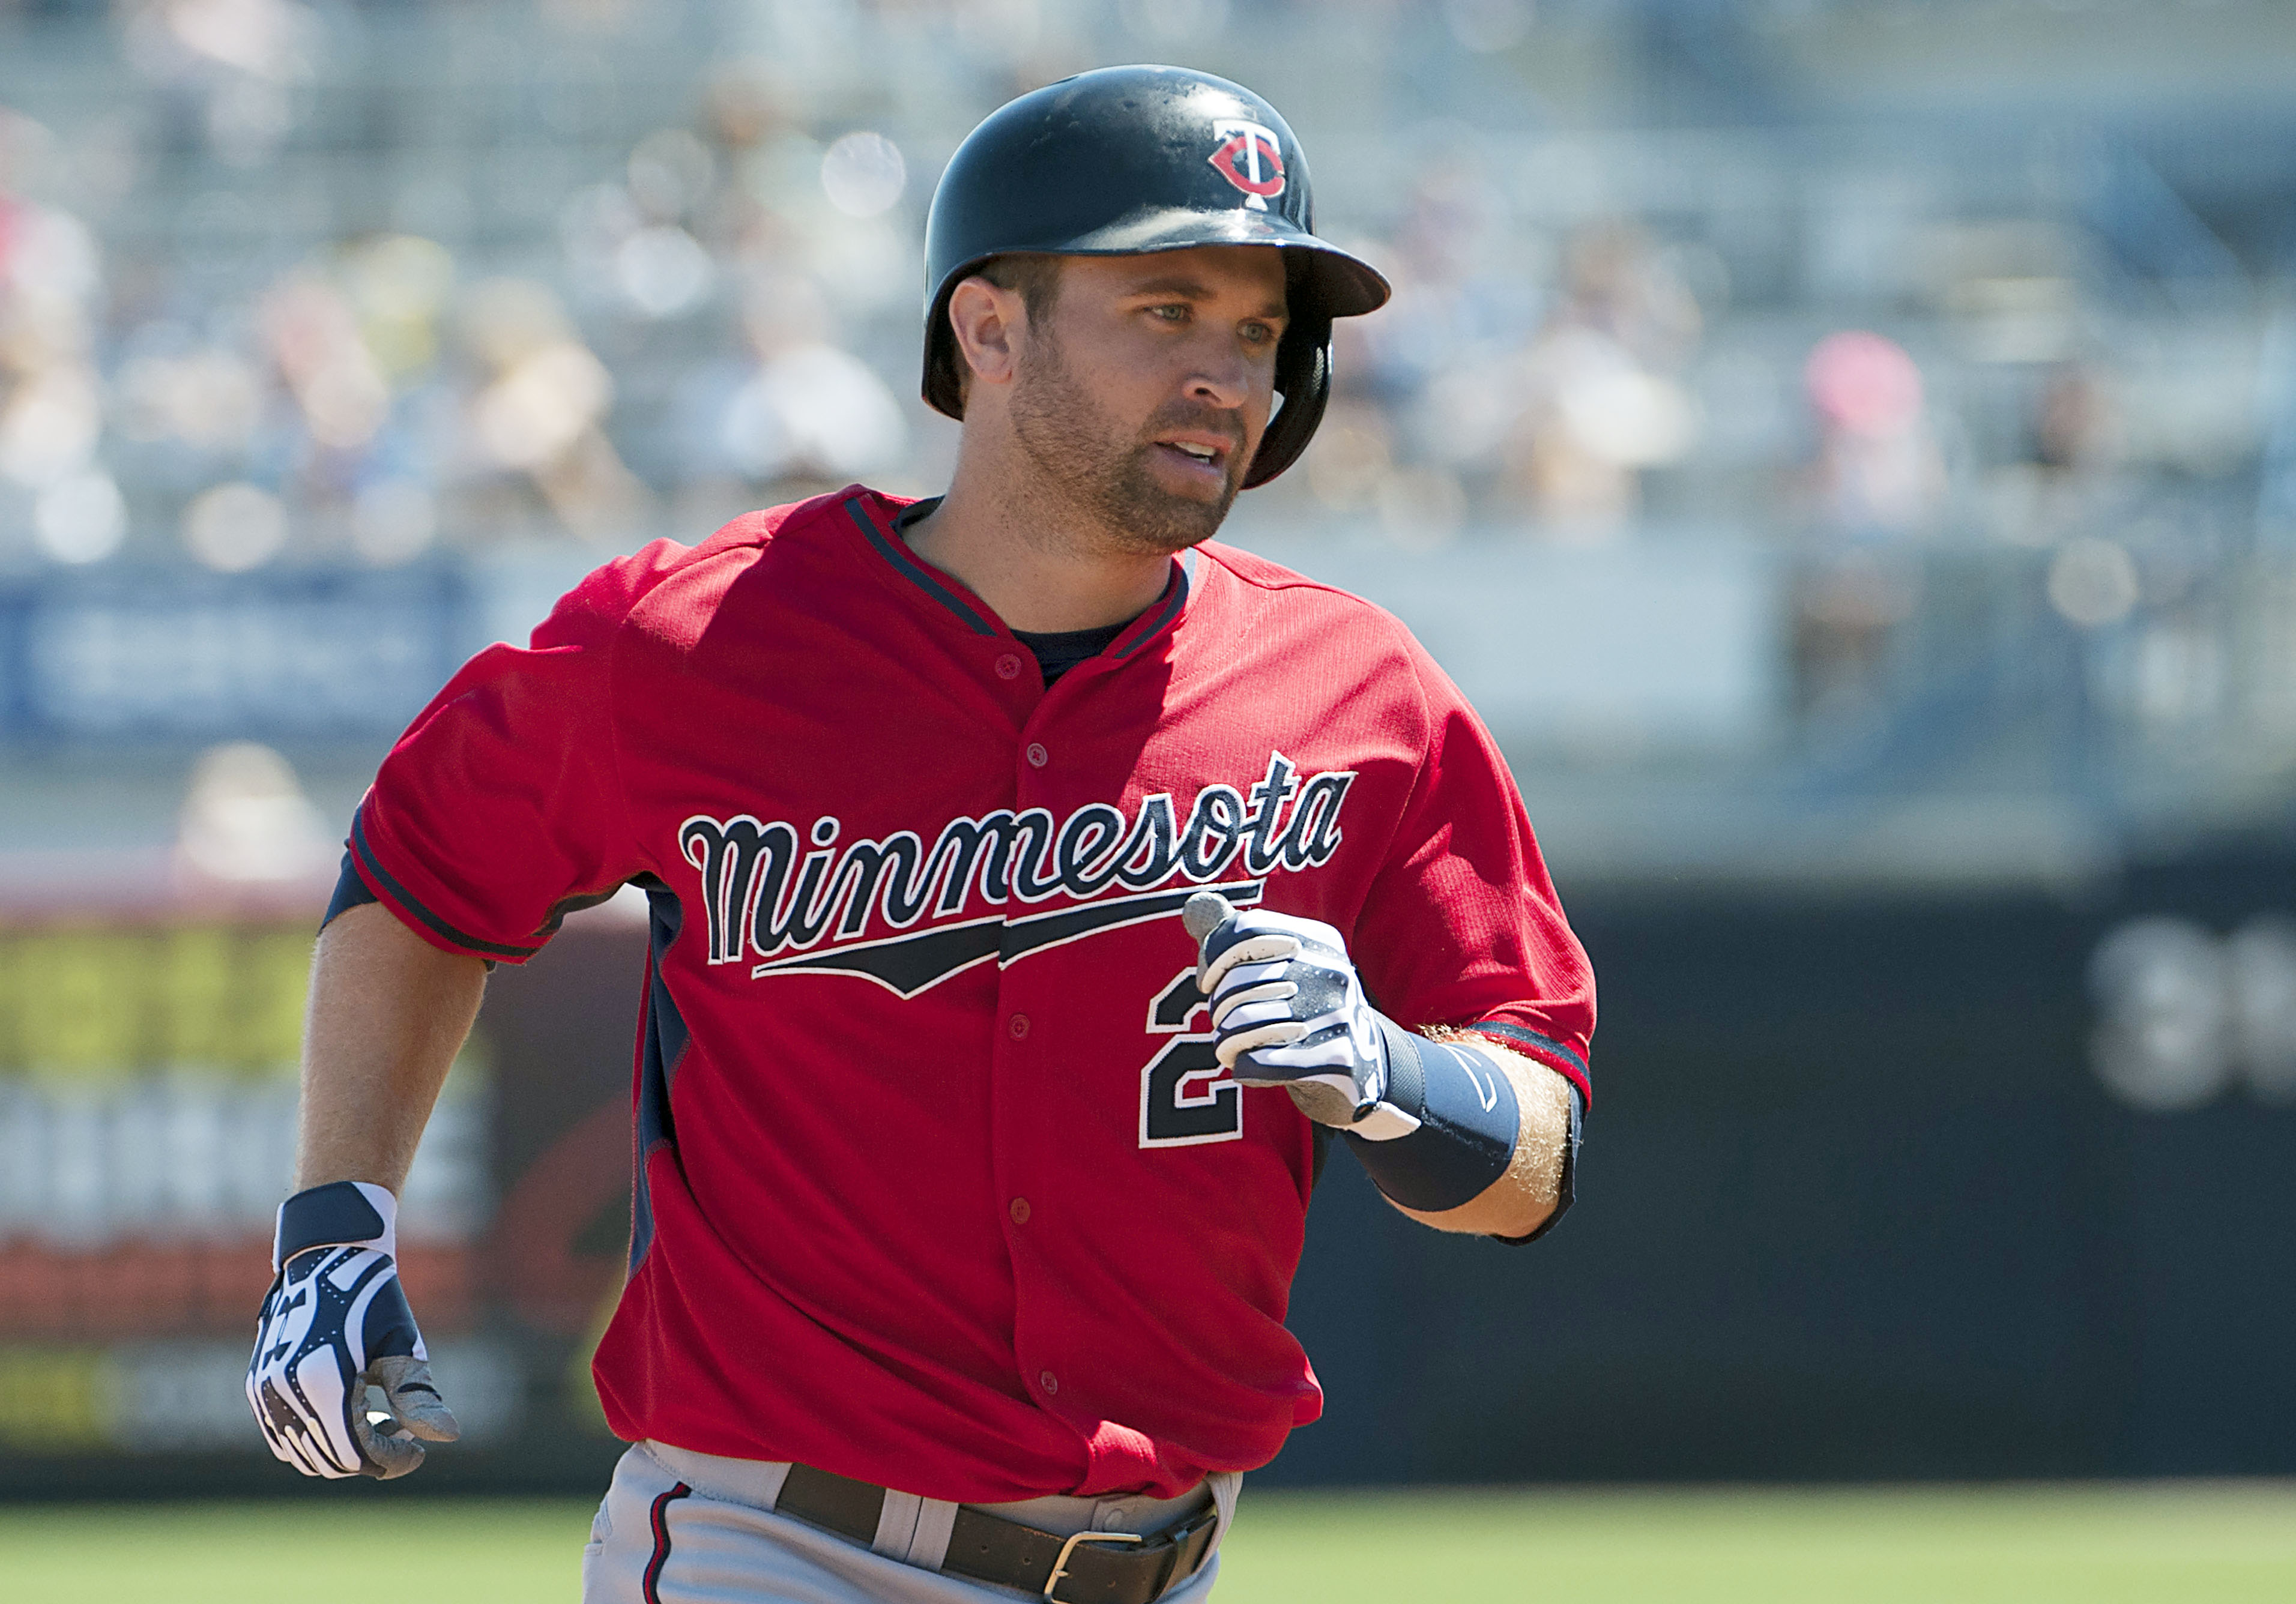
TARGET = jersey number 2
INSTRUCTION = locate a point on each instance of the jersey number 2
(1186, 1097)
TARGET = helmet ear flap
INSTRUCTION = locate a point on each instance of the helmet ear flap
(1303, 378)
(942, 390)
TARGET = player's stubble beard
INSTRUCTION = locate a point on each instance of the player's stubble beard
(1084, 457)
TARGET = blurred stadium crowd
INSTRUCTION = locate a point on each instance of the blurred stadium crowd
(287, 283)
(248, 375)
(347, 281)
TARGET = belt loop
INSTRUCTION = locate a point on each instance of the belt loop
(897, 1524)
(1191, 1544)
(936, 1523)
(1175, 1557)
(774, 1475)
(914, 1529)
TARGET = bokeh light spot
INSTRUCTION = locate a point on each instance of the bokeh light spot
(2092, 582)
(863, 175)
(81, 518)
(235, 528)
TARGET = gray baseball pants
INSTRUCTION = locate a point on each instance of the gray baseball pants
(721, 1542)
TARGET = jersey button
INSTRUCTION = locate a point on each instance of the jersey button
(1019, 1211)
(1008, 666)
(1017, 1026)
(1037, 756)
(1048, 1381)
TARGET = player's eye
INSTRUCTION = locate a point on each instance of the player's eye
(1172, 312)
(1259, 334)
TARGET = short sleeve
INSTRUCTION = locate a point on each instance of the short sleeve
(1462, 926)
(501, 807)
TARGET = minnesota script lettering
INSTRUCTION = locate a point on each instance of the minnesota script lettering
(767, 894)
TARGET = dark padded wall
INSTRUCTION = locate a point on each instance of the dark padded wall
(1852, 1204)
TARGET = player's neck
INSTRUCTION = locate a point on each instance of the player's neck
(1026, 562)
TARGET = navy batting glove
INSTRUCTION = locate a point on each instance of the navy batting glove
(334, 1323)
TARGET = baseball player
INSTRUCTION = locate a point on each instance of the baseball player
(1038, 891)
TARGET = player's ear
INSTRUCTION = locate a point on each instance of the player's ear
(987, 321)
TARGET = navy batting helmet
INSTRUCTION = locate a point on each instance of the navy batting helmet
(1138, 158)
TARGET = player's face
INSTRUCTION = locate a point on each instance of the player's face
(1146, 390)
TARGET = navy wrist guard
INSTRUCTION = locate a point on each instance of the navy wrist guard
(341, 1214)
(1466, 1117)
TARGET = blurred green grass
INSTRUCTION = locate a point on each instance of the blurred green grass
(2017, 1545)
(2181, 1543)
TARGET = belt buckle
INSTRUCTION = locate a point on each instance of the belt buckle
(1061, 1565)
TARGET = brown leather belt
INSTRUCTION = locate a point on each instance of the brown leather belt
(1091, 1567)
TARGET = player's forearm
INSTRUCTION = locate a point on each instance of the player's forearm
(1520, 1200)
(388, 1013)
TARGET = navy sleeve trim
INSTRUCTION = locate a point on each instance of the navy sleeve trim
(1536, 1041)
(430, 921)
(350, 892)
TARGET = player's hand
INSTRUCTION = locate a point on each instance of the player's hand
(1288, 1009)
(334, 1323)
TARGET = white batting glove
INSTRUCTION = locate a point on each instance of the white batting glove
(1288, 1009)
(334, 1323)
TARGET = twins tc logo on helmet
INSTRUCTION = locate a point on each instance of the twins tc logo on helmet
(1248, 156)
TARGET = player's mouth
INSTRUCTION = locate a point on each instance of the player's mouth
(1202, 458)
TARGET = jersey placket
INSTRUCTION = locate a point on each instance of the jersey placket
(1046, 775)
(1050, 770)
(1026, 1053)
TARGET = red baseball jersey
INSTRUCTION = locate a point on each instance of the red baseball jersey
(939, 1183)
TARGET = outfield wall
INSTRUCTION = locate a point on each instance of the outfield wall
(1959, 1187)
(1947, 1188)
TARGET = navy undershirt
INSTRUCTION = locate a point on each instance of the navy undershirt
(1058, 651)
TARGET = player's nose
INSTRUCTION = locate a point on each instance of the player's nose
(1222, 377)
